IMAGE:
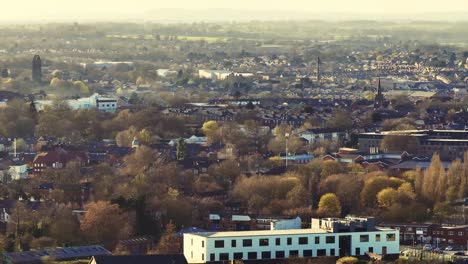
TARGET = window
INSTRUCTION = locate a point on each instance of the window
(263, 242)
(252, 255)
(451, 233)
(390, 237)
(191, 241)
(371, 249)
(212, 257)
(384, 250)
(294, 253)
(223, 256)
(307, 253)
(358, 251)
(238, 255)
(247, 242)
(317, 240)
(279, 254)
(202, 256)
(332, 252)
(203, 244)
(330, 239)
(303, 240)
(191, 254)
(364, 238)
(289, 241)
(460, 233)
(219, 243)
(278, 242)
(321, 252)
(266, 255)
(377, 238)
(233, 243)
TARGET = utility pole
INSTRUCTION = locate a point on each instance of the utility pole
(287, 151)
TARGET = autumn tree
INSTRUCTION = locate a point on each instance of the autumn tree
(433, 185)
(65, 229)
(373, 186)
(399, 143)
(329, 205)
(347, 260)
(340, 119)
(225, 173)
(105, 223)
(169, 244)
(282, 135)
(209, 128)
(138, 161)
(17, 120)
(181, 150)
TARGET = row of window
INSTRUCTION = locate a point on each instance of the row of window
(450, 233)
(268, 255)
(282, 254)
(388, 237)
(107, 105)
(264, 242)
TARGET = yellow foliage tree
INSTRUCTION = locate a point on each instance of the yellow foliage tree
(54, 83)
(209, 127)
(329, 205)
(84, 89)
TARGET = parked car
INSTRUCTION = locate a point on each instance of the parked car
(427, 247)
(449, 248)
(459, 253)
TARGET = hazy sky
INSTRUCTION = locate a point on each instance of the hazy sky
(76, 9)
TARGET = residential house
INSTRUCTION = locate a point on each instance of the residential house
(57, 158)
(18, 170)
(324, 134)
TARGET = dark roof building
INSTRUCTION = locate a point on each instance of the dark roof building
(140, 259)
(59, 254)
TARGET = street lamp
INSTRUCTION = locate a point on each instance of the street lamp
(287, 151)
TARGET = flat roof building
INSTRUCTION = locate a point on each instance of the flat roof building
(327, 237)
(450, 144)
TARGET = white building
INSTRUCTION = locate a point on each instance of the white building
(213, 74)
(165, 73)
(107, 64)
(326, 237)
(18, 171)
(95, 100)
(221, 75)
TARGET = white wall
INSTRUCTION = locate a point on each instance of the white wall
(194, 248)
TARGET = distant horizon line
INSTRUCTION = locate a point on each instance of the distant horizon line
(164, 15)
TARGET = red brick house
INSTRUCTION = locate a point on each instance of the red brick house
(57, 158)
(457, 235)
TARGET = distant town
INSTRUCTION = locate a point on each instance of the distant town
(256, 142)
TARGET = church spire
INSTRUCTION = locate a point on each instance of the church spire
(378, 102)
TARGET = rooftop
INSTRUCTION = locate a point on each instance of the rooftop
(261, 233)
